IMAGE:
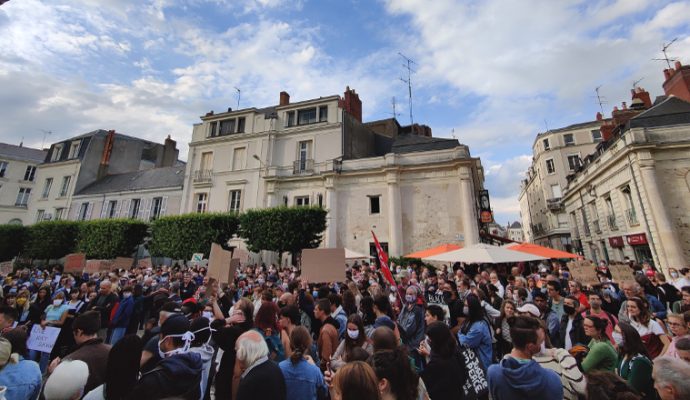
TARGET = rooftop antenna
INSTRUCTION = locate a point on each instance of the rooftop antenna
(636, 82)
(395, 114)
(666, 58)
(452, 133)
(45, 133)
(600, 100)
(408, 66)
(239, 92)
(546, 125)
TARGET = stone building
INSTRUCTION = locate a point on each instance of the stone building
(631, 198)
(411, 189)
(515, 232)
(556, 154)
(17, 181)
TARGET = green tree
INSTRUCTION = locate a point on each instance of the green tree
(12, 238)
(282, 229)
(52, 239)
(110, 238)
(181, 236)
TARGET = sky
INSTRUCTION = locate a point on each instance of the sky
(491, 73)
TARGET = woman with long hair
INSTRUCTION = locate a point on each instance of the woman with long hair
(266, 323)
(303, 378)
(445, 373)
(121, 371)
(226, 334)
(652, 334)
(355, 381)
(396, 378)
(354, 337)
(288, 320)
(505, 343)
(601, 356)
(475, 332)
(349, 303)
(366, 311)
(634, 364)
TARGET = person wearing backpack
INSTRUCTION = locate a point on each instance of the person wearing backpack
(266, 324)
(634, 364)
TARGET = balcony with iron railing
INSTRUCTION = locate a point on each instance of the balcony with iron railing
(203, 176)
(554, 204)
(611, 219)
(631, 216)
(303, 166)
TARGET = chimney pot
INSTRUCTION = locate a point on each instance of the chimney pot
(599, 116)
(678, 65)
(284, 98)
(625, 106)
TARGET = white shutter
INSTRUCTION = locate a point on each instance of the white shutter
(73, 212)
(104, 209)
(147, 210)
(89, 209)
(124, 211)
(164, 206)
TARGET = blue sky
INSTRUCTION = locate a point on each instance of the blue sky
(490, 72)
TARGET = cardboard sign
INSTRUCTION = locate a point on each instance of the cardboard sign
(145, 263)
(75, 262)
(123, 262)
(197, 257)
(234, 265)
(6, 268)
(583, 272)
(42, 339)
(323, 265)
(621, 273)
(219, 263)
(93, 266)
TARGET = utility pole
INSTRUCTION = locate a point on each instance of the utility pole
(408, 66)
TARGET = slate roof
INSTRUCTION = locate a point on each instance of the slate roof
(22, 153)
(671, 111)
(515, 225)
(409, 143)
(140, 180)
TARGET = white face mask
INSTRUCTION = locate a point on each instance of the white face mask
(127, 295)
(57, 302)
(208, 315)
(617, 338)
(353, 334)
(543, 347)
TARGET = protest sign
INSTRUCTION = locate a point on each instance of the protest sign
(323, 265)
(75, 262)
(6, 267)
(583, 272)
(42, 339)
(123, 262)
(197, 257)
(219, 263)
(621, 273)
(93, 266)
(234, 265)
(145, 263)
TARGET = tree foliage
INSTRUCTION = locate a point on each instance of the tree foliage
(52, 239)
(12, 238)
(180, 236)
(110, 238)
(283, 229)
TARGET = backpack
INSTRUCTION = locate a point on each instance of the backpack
(276, 351)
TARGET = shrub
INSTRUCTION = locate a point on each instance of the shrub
(180, 236)
(12, 238)
(52, 239)
(110, 238)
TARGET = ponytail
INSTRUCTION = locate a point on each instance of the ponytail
(300, 341)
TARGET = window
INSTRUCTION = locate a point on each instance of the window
(573, 161)
(240, 125)
(57, 153)
(213, 129)
(301, 201)
(3, 168)
(40, 215)
(58, 213)
(134, 208)
(201, 202)
(74, 149)
(556, 191)
(596, 135)
(65, 186)
(290, 120)
(374, 204)
(568, 139)
(227, 127)
(23, 197)
(323, 114)
(609, 205)
(46, 188)
(550, 166)
(30, 173)
(547, 146)
(112, 209)
(307, 116)
(84, 212)
(235, 201)
(239, 155)
(562, 220)
(156, 207)
(207, 161)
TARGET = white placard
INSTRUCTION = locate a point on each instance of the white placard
(42, 339)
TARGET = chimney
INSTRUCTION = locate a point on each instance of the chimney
(599, 116)
(351, 104)
(677, 81)
(625, 106)
(105, 156)
(170, 153)
(606, 130)
(643, 95)
(284, 99)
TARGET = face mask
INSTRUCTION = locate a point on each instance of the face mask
(569, 309)
(617, 338)
(127, 295)
(595, 304)
(410, 298)
(208, 315)
(260, 281)
(57, 302)
(315, 294)
(674, 275)
(391, 298)
(353, 334)
(21, 301)
(39, 281)
(543, 347)
(466, 311)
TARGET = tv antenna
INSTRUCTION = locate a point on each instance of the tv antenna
(666, 58)
(239, 92)
(600, 99)
(546, 125)
(408, 66)
(45, 133)
(452, 133)
(395, 114)
(636, 82)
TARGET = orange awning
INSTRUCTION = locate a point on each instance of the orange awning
(537, 250)
(444, 248)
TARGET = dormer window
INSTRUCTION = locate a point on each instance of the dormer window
(74, 149)
(306, 116)
(57, 152)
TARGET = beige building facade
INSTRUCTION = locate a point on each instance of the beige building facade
(18, 166)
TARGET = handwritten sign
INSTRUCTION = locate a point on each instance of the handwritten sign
(621, 273)
(583, 272)
(42, 339)
(323, 265)
(219, 263)
(75, 262)
(123, 262)
(93, 266)
(145, 263)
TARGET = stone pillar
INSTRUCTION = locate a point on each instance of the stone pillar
(331, 238)
(467, 207)
(669, 251)
(270, 194)
(395, 235)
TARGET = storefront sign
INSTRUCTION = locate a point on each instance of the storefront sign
(637, 239)
(616, 241)
(486, 217)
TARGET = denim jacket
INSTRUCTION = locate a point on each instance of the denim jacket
(23, 380)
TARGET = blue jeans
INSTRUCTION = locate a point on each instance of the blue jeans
(116, 335)
(42, 358)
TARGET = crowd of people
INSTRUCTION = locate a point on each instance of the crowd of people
(453, 332)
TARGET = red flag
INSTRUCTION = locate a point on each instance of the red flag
(383, 260)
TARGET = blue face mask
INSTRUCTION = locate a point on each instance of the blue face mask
(315, 293)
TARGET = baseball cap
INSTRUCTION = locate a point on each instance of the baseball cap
(529, 308)
(175, 325)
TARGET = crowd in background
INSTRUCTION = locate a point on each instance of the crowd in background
(453, 332)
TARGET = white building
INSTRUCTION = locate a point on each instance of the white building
(412, 190)
(17, 181)
(515, 232)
